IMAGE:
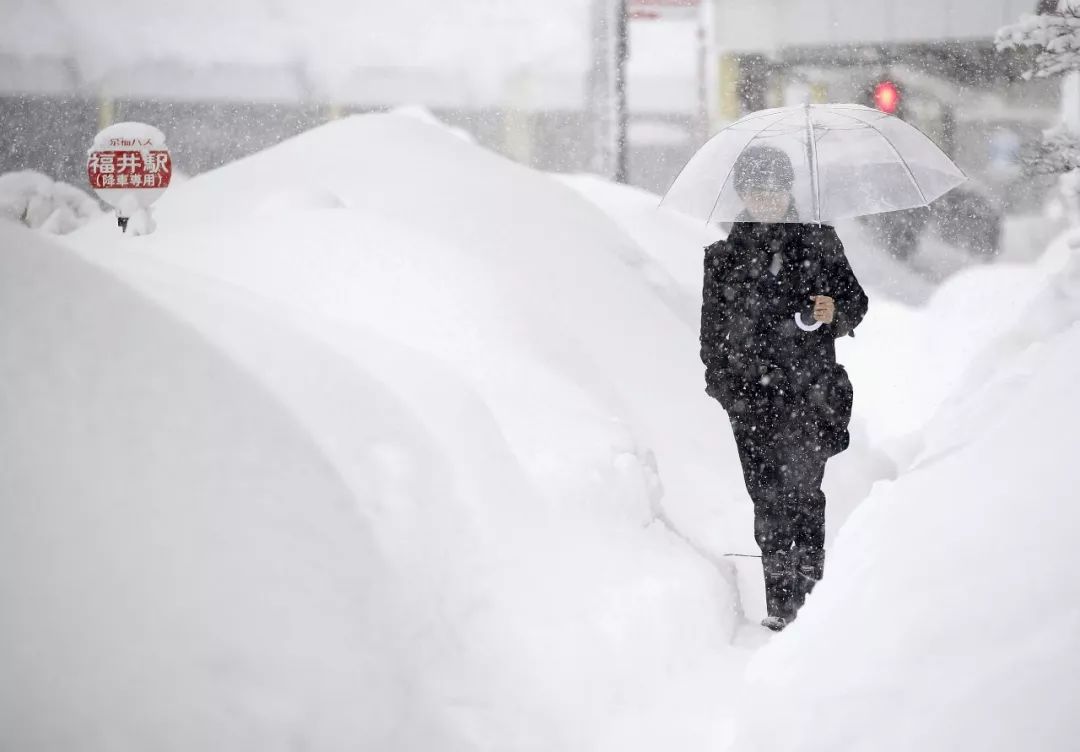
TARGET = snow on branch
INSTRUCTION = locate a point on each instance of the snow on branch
(37, 201)
(1058, 152)
(1055, 36)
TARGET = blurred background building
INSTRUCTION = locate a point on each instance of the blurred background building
(223, 80)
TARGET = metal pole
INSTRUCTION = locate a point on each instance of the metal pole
(707, 69)
(607, 89)
(622, 54)
(812, 163)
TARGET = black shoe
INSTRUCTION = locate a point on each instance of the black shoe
(779, 585)
(775, 623)
(808, 571)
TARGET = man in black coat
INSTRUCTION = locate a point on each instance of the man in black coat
(776, 295)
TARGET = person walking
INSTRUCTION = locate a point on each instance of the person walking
(777, 293)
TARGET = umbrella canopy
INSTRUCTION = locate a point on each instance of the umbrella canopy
(836, 160)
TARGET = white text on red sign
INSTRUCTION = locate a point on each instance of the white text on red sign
(129, 169)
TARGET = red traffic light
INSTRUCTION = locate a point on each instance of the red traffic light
(887, 97)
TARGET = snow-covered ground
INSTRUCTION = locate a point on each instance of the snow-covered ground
(949, 617)
(384, 442)
(489, 377)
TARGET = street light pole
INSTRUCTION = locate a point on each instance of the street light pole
(708, 84)
(607, 88)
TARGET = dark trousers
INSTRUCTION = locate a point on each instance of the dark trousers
(783, 465)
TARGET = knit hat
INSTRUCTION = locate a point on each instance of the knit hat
(763, 168)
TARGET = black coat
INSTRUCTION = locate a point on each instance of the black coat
(758, 363)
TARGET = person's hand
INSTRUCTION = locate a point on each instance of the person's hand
(824, 308)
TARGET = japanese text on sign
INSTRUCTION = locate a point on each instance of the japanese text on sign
(129, 169)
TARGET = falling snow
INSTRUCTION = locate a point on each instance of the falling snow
(407, 418)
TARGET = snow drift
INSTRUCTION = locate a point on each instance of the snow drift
(948, 617)
(181, 567)
(482, 549)
(529, 292)
(384, 442)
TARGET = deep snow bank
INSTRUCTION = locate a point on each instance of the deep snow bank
(674, 240)
(487, 369)
(508, 278)
(948, 618)
(906, 361)
(179, 565)
(258, 528)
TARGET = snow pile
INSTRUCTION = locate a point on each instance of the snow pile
(178, 562)
(293, 200)
(424, 115)
(502, 274)
(906, 361)
(37, 201)
(674, 240)
(384, 442)
(948, 618)
(389, 471)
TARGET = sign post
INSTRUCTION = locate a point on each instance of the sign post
(699, 12)
(607, 88)
(663, 10)
(129, 167)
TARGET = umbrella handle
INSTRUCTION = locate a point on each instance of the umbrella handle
(811, 328)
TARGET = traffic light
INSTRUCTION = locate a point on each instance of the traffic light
(887, 97)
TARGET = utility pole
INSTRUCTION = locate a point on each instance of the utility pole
(607, 88)
(706, 69)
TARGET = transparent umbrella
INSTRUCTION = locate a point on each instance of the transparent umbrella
(842, 160)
